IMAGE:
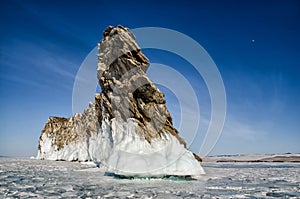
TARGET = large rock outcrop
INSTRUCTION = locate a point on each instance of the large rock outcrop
(128, 128)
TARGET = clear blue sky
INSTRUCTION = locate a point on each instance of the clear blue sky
(255, 44)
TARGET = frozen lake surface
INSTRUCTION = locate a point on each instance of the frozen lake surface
(29, 178)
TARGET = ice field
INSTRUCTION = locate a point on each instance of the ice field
(27, 178)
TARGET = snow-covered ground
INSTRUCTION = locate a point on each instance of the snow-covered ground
(25, 178)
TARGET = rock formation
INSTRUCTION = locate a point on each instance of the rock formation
(128, 128)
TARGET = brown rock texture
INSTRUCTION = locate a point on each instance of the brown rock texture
(59, 132)
(129, 99)
(127, 92)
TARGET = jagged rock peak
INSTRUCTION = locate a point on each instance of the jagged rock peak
(130, 93)
(119, 42)
(128, 128)
(110, 30)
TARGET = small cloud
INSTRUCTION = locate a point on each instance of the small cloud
(234, 128)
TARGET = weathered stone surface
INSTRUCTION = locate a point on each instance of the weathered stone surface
(60, 133)
(122, 77)
(129, 100)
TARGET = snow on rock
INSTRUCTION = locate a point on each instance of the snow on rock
(128, 128)
(68, 138)
(134, 156)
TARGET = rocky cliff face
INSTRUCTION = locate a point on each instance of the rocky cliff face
(68, 138)
(128, 128)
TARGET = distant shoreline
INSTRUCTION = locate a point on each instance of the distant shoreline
(292, 158)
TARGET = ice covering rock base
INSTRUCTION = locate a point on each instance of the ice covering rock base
(128, 128)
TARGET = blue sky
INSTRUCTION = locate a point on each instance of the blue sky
(255, 45)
